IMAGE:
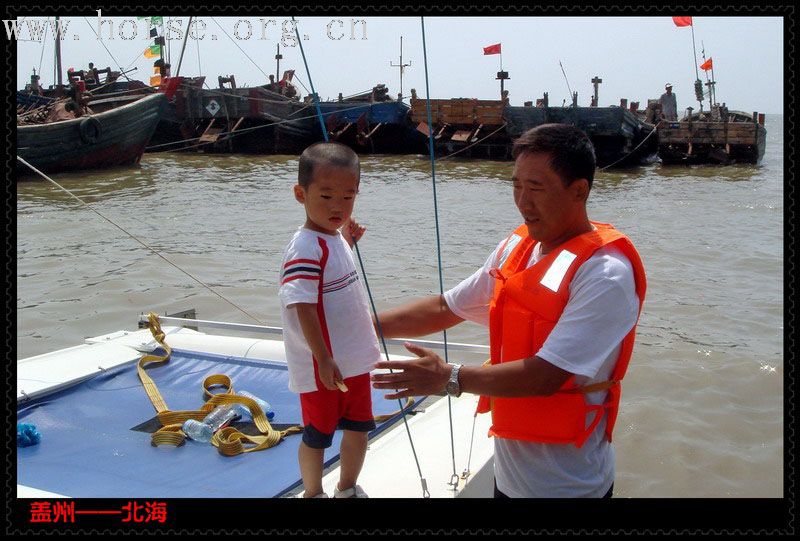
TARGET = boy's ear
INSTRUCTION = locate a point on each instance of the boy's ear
(299, 194)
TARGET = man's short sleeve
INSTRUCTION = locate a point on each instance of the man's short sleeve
(301, 271)
(602, 309)
(470, 299)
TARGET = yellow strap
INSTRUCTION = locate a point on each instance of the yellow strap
(229, 441)
(593, 388)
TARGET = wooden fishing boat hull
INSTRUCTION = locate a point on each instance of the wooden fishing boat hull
(373, 127)
(488, 128)
(469, 127)
(618, 135)
(105, 139)
(701, 140)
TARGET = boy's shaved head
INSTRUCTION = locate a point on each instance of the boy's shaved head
(326, 154)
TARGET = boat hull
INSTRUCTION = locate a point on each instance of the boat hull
(711, 142)
(121, 138)
(618, 135)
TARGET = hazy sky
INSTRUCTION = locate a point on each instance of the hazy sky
(635, 56)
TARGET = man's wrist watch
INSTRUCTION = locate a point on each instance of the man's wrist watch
(453, 388)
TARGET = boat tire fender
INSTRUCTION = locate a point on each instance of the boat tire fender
(90, 129)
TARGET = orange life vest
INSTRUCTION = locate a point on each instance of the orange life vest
(522, 314)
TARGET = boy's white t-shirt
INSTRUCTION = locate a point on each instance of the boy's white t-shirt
(320, 269)
(602, 309)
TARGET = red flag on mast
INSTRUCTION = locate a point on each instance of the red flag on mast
(707, 65)
(492, 49)
(682, 21)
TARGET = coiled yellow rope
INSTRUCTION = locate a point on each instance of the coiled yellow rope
(228, 441)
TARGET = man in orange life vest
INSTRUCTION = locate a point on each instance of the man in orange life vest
(561, 296)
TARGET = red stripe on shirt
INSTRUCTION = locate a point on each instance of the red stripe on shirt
(301, 277)
(321, 313)
(293, 261)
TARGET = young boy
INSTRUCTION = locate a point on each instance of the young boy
(328, 335)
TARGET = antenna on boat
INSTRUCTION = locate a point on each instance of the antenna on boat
(278, 57)
(712, 98)
(402, 69)
(596, 83)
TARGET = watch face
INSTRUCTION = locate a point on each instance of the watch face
(451, 387)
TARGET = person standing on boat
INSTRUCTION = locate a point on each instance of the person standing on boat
(330, 343)
(669, 104)
(561, 296)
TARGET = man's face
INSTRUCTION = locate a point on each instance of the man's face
(329, 199)
(669, 90)
(551, 210)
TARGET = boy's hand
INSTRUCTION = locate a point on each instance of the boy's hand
(330, 375)
(352, 230)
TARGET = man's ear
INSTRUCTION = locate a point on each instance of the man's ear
(299, 194)
(581, 189)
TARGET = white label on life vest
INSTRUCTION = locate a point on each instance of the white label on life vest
(555, 274)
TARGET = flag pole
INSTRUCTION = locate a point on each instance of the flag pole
(694, 48)
(698, 85)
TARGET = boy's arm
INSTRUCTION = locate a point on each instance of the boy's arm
(312, 330)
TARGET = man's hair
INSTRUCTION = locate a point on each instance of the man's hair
(325, 154)
(571, 152)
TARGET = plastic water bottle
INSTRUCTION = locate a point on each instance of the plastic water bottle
(222, 415)
(197, 430)
(265, 407)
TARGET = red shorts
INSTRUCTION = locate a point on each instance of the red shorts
(324, 411)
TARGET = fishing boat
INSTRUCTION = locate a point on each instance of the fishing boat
(470, 127)
(718, 136)
(488, 128)
(96, 423)
(231, 119)
(373, 122)
(619, 136)
(115, 135)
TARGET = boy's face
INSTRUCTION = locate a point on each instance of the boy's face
(329, 199)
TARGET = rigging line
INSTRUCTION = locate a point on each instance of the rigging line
(122, 71)
(44, 42)
(244, 130)
(423, 481)
(243, 52)
(299, 80)
(314, 95)
(454, 478)
(199, 67)
(241, 131)
(565, 78)
(655, 128)
(473, 144)
(134, 237)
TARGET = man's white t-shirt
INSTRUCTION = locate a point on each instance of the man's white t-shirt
(320, 269)
(602, 309)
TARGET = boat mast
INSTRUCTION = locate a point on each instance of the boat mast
(58, 53)
(697, 83)
(183, 47)
(402, 69)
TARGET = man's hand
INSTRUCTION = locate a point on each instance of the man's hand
(352, 231)
(329, 374)
(423, 376)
